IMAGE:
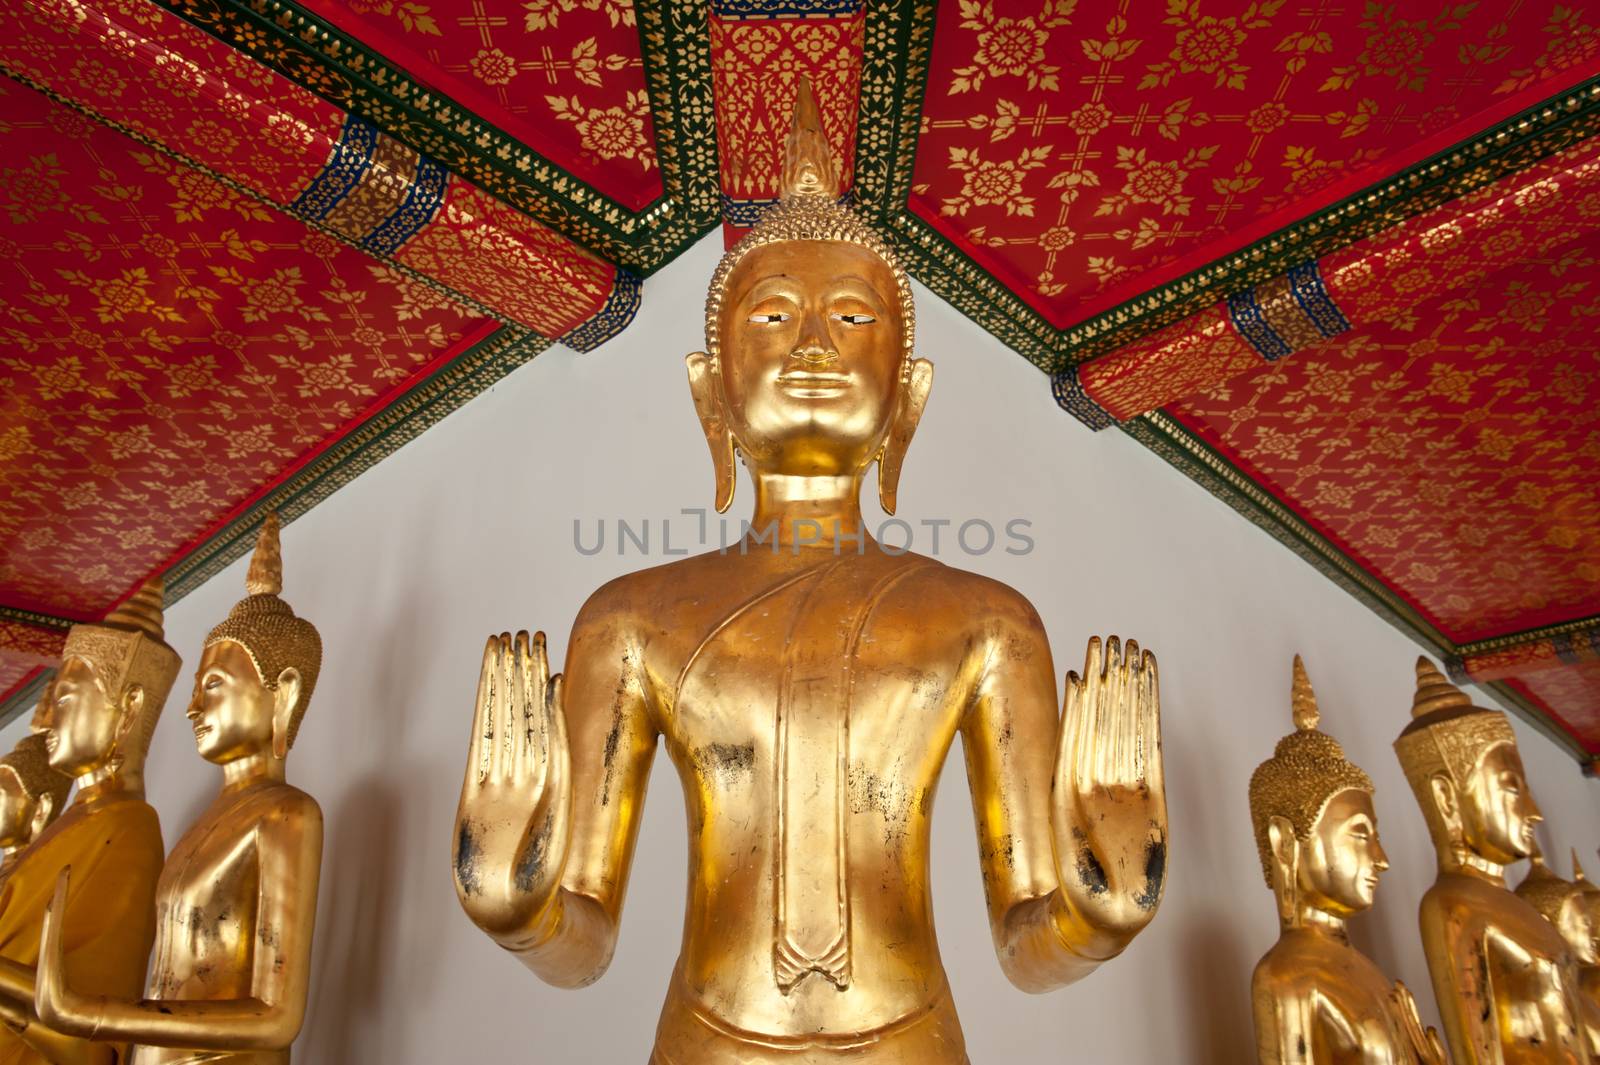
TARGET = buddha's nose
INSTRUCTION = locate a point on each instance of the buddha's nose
(813, 352)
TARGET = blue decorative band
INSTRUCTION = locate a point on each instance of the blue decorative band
(1305, 281)
(613, 318)
(421, 205)
(1566, 651)
(744, 214)
(1071, 397)
(743, 9)
(351, 157)
(1252, 325)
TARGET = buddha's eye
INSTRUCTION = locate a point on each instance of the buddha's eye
(769, 317)
(213, 682)
(854, 319)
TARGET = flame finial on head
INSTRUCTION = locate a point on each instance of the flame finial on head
(266, 564)
(143, 612)
(808, 166)
(1304, 700)
(1434, 692)
(1577, 868)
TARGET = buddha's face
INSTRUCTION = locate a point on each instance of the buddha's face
(16, 810)
(811, 356)
(1589, 901)
(1578, 928)
(232, 709)
(1498, 813)
(1339, 865)
(81, 722)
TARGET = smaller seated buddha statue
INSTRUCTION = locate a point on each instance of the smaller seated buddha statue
(102, 710)
(1317, 999)
(32, 794)
(1505, 979)
(1588, 971)
(236, 901)
(1564, 904)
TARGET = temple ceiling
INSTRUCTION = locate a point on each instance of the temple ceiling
(1337, 263)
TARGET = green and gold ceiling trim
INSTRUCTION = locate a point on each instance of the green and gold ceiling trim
(472, 371)
(1208, 468)
(348, 74)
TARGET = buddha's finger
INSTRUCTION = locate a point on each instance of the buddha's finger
(1093, 685)
(505, 707)
(1153, 770)
(554, 759)
(483, 713)
(530, 700)
(1069, 766)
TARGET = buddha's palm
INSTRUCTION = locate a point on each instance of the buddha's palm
(512, 824)
(1425, 1045)
(1109, 801)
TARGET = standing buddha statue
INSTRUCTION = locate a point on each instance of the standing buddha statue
(104, 705)
(1504, 978)
(1589, 971)
(32, 794)
(1317, 999)
(1564, 904)
(237, 899)
(807, 684)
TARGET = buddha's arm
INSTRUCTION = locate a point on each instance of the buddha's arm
(1458, 963)
(612, 742)
(1284, 1023)
(289, 850)
(1044, 936)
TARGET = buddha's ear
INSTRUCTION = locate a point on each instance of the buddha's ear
(285, 698)
(132, 707)
(1285, 850)
(705, 388)
(1448, 803)
(913, 398)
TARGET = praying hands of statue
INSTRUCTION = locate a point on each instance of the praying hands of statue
(1108, 801)
(512, 823)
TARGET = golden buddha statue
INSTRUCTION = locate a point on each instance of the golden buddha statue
(1505, 979)
(1563, 903)
(1318, 1000)
(238, 897)
(807, 684)
(1588, 971)
(105, 702)
(32, 794)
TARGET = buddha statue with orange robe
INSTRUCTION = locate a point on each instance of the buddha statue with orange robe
(32, 794)
(103, 709)
(807, 685)
(1317, 999)
(1505, 979)
(237, 900)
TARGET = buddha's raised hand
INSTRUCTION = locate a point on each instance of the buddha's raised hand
(1425, 1044)
(1109, 800)
(512, 824)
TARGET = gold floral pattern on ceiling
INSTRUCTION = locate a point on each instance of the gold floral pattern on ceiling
(1450, 451)
(172, 346)
(1084, 155)
(565, 77)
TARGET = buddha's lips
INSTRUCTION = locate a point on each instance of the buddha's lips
(802, 379)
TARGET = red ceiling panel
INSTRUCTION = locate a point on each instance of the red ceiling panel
(1575, 691)
(565, 77)
(1451, 452)
(171, 347)
(1086, 153)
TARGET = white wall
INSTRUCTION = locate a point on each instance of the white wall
(468, 530)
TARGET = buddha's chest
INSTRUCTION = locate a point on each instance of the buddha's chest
(822, 694)
(206, 911)
(1359, 1022)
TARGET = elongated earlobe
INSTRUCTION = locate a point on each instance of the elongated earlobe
(1286, 866)
(919, 381)
(708, 404)
(285, 698)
